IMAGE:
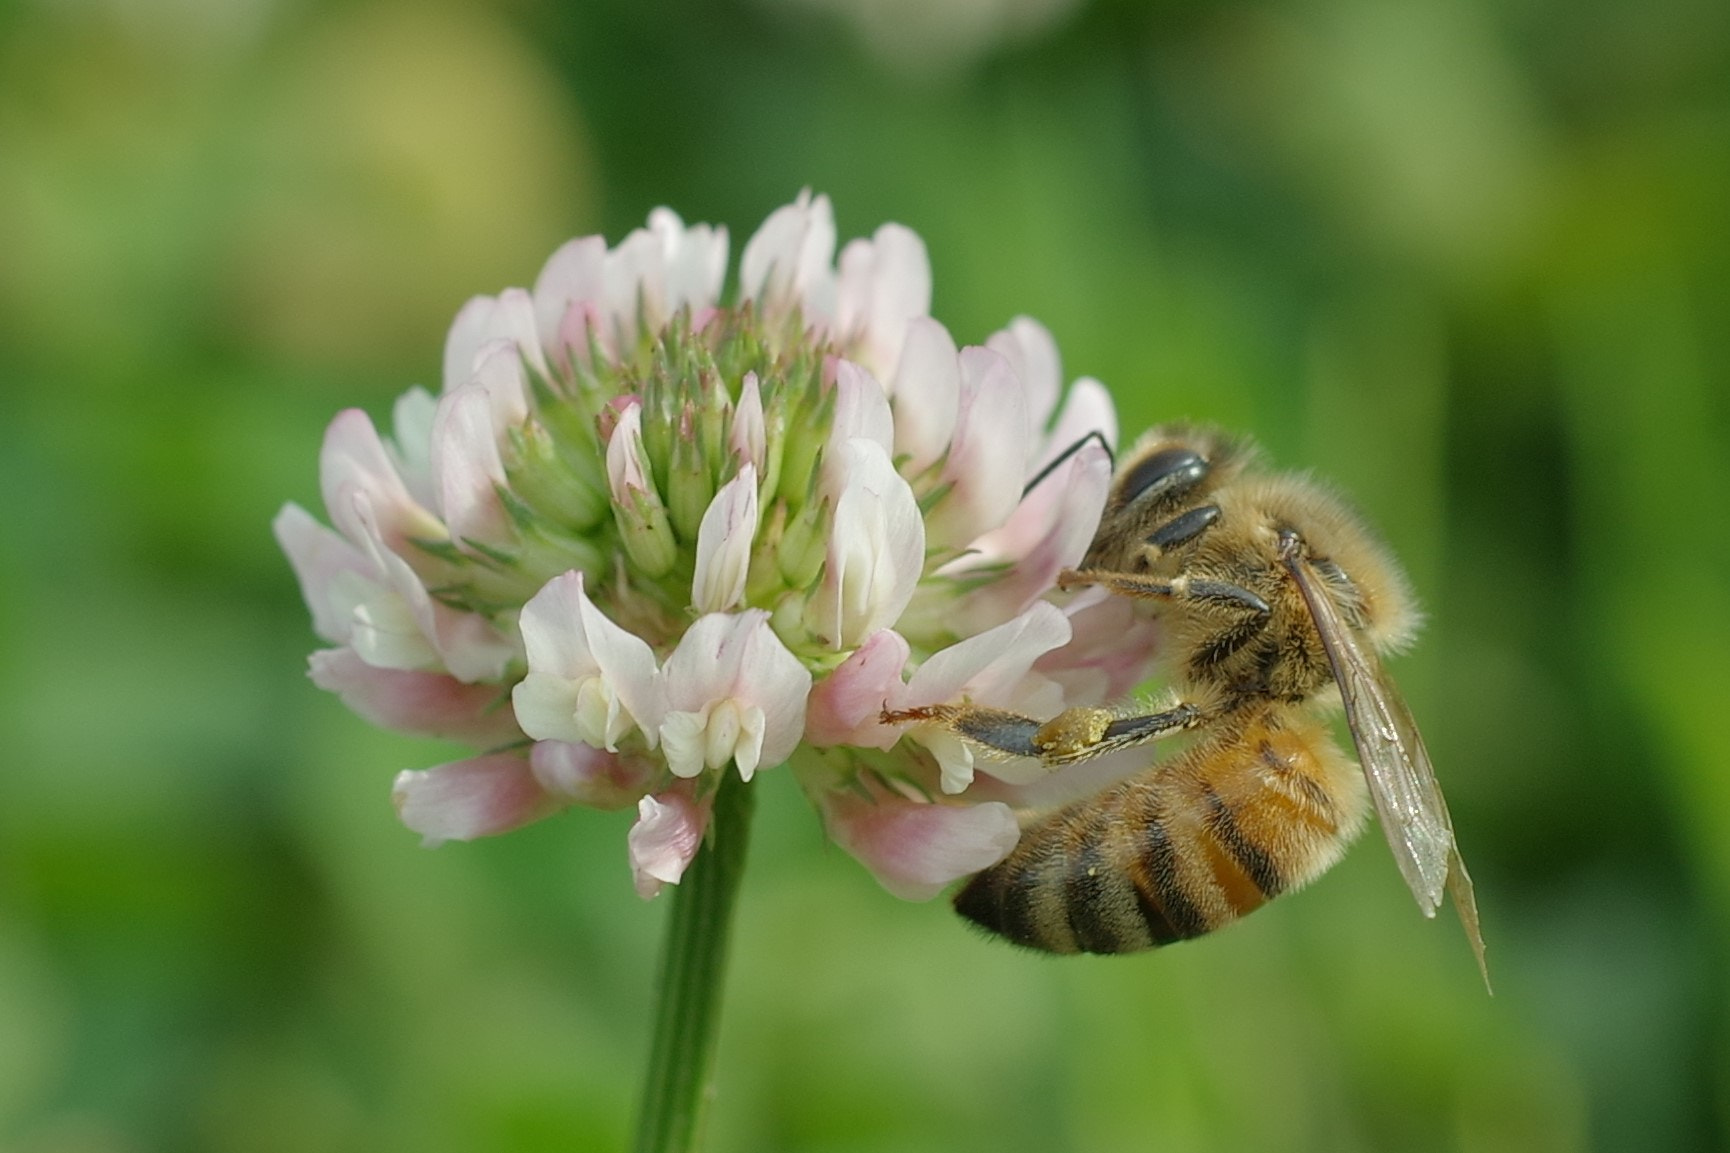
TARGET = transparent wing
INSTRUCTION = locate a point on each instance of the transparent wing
(1408, 801)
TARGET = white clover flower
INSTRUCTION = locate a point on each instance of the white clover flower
(645, 537)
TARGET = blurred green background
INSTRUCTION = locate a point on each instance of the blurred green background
(1469, 259)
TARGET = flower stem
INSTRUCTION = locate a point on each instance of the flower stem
(688, 986)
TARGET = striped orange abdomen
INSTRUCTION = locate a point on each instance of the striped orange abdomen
(1262, 806)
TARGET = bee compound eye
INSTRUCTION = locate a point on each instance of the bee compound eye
(1170, 470)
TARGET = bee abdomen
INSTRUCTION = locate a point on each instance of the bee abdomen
(1172, 854)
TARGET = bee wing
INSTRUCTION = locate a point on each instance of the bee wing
(1408, 801)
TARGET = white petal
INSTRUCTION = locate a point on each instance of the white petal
(1028, 346)
(318, 557)
(704, 668)
(954, 757)
(927, 391)
(568, 639)
(471, 329)
(748, 437)
(412, 431)
(861, 409)
(747, 752)
(734, 658)
(989, 668)
(724, 541)
(788, 261)
(1087, 409)
(508, 316)
(545, 705)
(627, 461)
(883, 283)
(1049, 531)
(696, 260)
(467, 466)
(987, 460)
(682, 741)
(467, 799)
(572, 277)
(775, 682)
(396, 624)
(876, 549)
(353, 460)
(636, 276)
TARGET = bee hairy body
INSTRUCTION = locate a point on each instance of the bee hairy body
(1275, 603)
(1263, 804)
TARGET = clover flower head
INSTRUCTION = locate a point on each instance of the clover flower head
(646, 535)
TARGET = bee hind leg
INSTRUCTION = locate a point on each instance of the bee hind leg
(1076, 734)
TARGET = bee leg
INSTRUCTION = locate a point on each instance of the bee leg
(1192, 590)
(1183, 528)
(1076, 734)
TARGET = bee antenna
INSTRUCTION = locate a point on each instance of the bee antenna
(1060, 458)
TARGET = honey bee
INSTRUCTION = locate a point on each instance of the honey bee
(1276, 602)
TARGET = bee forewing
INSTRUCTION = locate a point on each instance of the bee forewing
(1409, 803)
(1402, 781)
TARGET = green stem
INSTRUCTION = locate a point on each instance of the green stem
(688, 986)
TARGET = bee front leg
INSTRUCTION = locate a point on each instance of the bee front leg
(1076, 734)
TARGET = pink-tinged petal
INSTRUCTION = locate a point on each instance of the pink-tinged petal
(422, 703)
(927, 388)
(583, 322)
(876, 549)
(1066, 503)
(467, 466)
(843, 707)
(861, 410)
(1049, 531)
(883, 283)
(788, 261)
(627, 460)
(749, 436)
(320, 557)
(724, 539)
(573, 277)
(508, 316)
(1086, 411)
(987, 461)
(474, 798)
(1028, 346)
(1112, 650)
(354, 460)
(584, 775)
(992, 667)
(589, 680)
(915, 849)
(665, 839)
